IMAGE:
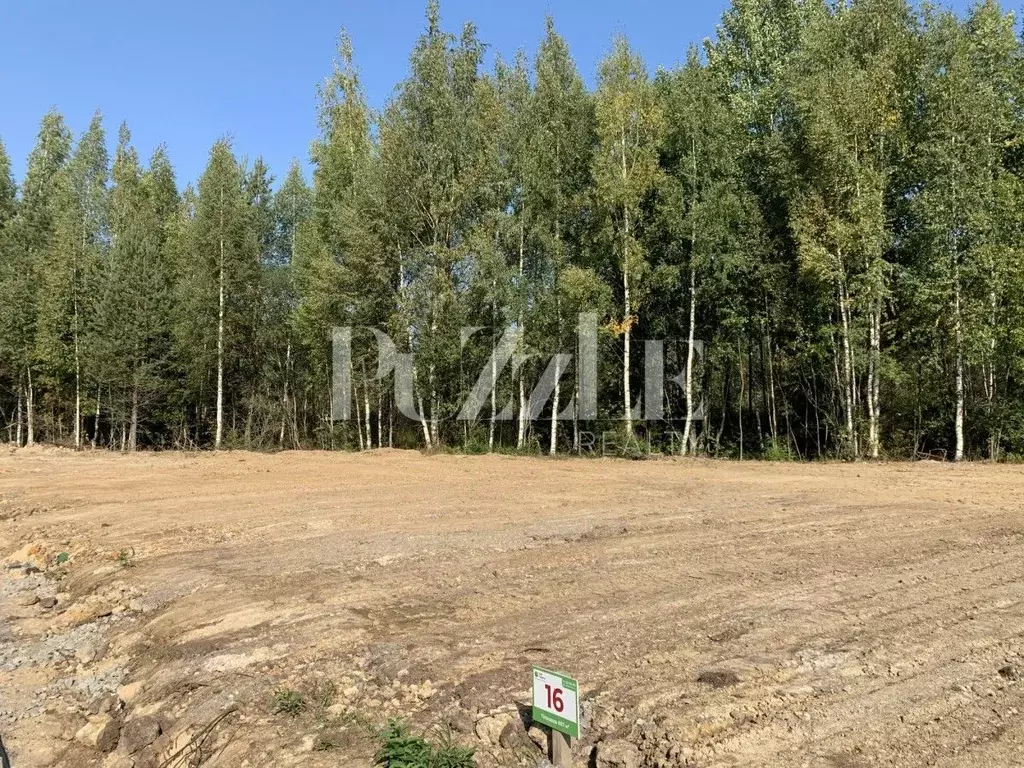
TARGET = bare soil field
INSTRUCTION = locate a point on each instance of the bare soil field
(716, 614)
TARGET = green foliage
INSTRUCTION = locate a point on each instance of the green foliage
(400, 749)
(126, 557)
(287, 702)
(828, 196)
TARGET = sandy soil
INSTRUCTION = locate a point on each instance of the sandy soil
(716, 614)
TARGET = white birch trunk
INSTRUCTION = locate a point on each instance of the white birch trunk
(494, 370)
(380, 417)
(96, 420)
(30, 411)
(369, 423)
(874, 390)
(17, 438)
(359, 418)
(521, 435)
(848, 373)
(627, 394)
(78, 386)
(494, 400)
(959, 333)
(689, 358)
(220, 342)
(553, 448)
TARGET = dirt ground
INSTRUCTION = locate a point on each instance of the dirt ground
(716, 614)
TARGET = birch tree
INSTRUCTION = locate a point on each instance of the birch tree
(222, 267)
(322, 244)
(968, 103)
(708, 218)
(852, 89)
(562, 138)
(626, 171)
(69, 267)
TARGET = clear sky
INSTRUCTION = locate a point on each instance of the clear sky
(188, 72)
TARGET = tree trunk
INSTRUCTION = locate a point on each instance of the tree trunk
(521, 435)
(743, 385)
(359, 419)
(627, 314)
(17, 439)
(494, 368)
(366, 406)
(30, 410)
(848, 372)
(380, 416)
(959, 336)
(96, 420)
(576, 400)
(220, 346)
(689, 357)
(133, 430)
(419, 402)
(78, 387)
(284, 396)
(874, 390)
(553, 448)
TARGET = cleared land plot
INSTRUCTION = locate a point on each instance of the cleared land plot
(716, 614)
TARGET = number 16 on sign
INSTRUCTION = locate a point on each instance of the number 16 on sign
(556, 702)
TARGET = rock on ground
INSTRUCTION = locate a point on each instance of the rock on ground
(101, 732)
(139, 733)
(488, 729)
(617, 753)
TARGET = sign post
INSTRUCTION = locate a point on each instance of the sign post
(556, 705)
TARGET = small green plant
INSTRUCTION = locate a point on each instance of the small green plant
(323, 695)
(287, 702)
(63, 557)
(400, 749)
(126, 558)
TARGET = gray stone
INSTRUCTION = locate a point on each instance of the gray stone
(617, 753)
(86, 653)
(48, 602)
(514, 736)
(539, 736)
(102, 705)
(488, 729)
(28, 598)
(139, 733)
(460, 721)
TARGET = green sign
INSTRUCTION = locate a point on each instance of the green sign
(556, 702)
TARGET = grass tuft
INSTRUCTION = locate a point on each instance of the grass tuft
(287, 702)
(400, 749)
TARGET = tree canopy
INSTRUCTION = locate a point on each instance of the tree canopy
(813, 225)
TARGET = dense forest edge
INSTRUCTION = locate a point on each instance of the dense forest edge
(827, 196)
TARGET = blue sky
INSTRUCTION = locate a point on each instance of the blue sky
(189, 72)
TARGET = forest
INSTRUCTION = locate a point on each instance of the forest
(827, 195)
